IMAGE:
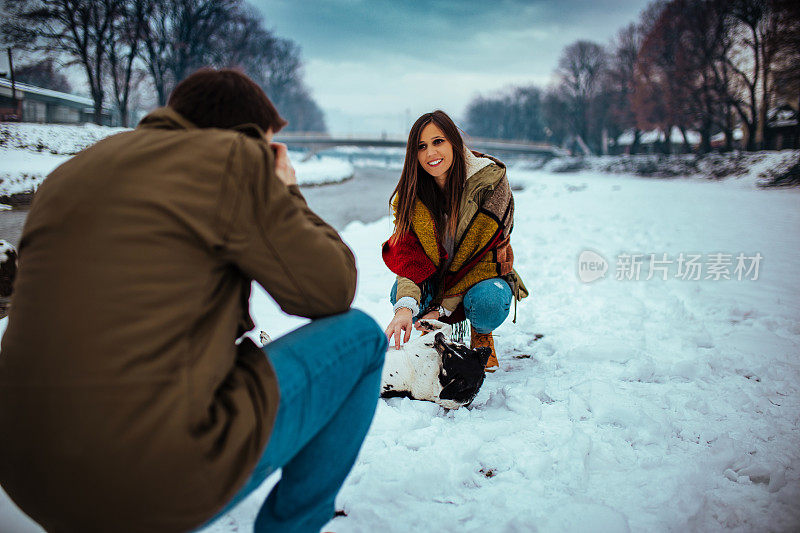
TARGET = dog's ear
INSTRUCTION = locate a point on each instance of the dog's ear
(452, 390)
(461, 391)
(440, 343)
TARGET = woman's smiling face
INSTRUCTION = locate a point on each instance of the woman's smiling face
(434, 151)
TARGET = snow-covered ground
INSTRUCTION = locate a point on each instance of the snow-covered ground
(28, 152)
(23, 170)
(63, 139)
(648, 405)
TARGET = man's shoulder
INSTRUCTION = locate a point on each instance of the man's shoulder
(208, 147)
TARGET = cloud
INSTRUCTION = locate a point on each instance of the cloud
(381, 57)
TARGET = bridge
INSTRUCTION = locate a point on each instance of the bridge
(315, 142)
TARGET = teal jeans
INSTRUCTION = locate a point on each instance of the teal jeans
(486, 303)
(329, 374)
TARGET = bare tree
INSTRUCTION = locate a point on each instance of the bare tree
(620, 83)
(274, 63)
(662, 91)
(747, 62)
(485, 117)
(282, 70)
(116, 41)
(156, 45)
(123, 52)
(302, 112)
(555, 113)
(180, 36)
(78, 28)
(581, 69)
(43, 74)
(704, 42)
(515, 113)
(786, 65)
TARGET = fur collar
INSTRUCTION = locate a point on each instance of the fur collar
(475, 163)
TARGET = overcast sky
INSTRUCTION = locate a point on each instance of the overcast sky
(376, 65)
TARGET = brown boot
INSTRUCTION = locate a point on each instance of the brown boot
(480, 340)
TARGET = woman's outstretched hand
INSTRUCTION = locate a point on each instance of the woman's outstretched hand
(401, 323)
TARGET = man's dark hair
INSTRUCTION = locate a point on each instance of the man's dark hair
(224, 99)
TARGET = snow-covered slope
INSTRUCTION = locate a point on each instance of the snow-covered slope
(60, 139)
(28, 152)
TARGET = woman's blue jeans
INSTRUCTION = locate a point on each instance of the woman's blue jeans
(329, 374)
(486, 303)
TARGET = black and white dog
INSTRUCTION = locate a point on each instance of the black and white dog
(432, 367)
(8, 268)
(8, 271)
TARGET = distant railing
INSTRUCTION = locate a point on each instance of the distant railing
(319, 141)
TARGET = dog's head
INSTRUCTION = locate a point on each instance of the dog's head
(462, 372)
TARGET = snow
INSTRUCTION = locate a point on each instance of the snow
(746, 168)
(29, 152)
(24, 170)
(649, 405)
(738, 135)
(651, 136)
(62, 139)
(319, 170)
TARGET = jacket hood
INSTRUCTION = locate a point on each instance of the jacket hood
(476, 161)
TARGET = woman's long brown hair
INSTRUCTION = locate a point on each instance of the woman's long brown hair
(415, 182)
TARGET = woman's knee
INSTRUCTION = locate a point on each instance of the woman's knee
(487, 304)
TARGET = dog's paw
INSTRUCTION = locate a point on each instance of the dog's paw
(431, 325)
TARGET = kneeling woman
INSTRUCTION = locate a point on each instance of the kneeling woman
(451, 246)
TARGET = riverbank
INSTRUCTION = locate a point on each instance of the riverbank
(363, 198)
(29, 152)
(764, 169)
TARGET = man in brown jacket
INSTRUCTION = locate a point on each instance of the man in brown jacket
(129, 398)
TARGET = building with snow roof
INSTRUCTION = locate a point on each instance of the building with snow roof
(37, 104)
(783, 128)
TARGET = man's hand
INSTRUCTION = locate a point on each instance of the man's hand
(399, 324)
(283, 167)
